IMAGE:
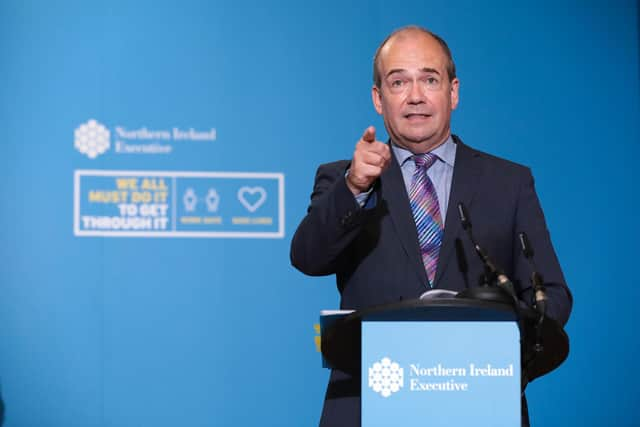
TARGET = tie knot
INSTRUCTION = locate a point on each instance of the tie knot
(424, 161)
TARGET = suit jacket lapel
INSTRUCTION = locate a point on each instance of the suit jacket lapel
(394, 192)
(466, 173)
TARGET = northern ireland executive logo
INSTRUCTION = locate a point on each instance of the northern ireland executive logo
(92, 139)
(386, 377)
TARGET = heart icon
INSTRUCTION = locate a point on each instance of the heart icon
(252, 197)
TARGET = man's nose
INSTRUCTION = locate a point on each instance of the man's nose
(416, 94)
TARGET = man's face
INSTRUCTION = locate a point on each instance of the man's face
(415, 96)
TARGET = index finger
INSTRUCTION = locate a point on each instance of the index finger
(369, 134)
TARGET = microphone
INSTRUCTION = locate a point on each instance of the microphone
(463, 266)
(495, 274)
(540, 295)
(464, 219)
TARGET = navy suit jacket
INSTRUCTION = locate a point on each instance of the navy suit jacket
(375, 255)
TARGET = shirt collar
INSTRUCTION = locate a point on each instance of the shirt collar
(446, 152)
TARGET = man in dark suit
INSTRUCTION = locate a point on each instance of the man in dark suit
(386, 224)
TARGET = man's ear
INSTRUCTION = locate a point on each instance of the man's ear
(455, 90)
(376, 97)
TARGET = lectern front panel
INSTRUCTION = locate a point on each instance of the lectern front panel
(440, 373)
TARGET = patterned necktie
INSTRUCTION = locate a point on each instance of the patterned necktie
(426, 213)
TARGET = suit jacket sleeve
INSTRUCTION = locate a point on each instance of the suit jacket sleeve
(333, 221)
(530, 219)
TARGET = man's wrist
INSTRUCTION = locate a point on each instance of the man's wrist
(355, 189)
(361, 196)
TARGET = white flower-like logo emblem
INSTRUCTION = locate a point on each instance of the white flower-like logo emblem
(386, 377)
(92, 139)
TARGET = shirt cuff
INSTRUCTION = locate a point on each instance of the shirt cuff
(361, 198)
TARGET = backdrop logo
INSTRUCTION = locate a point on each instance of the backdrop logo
(386, 377)
(92, 139)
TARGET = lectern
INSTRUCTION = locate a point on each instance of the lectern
(444, 362)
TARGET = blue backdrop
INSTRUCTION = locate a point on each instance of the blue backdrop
(211, 329)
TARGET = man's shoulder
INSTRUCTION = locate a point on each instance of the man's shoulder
(331, 169)
(492, 162)
(335, 165)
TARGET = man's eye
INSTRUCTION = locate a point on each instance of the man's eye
(432, 81)
(396, 83)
